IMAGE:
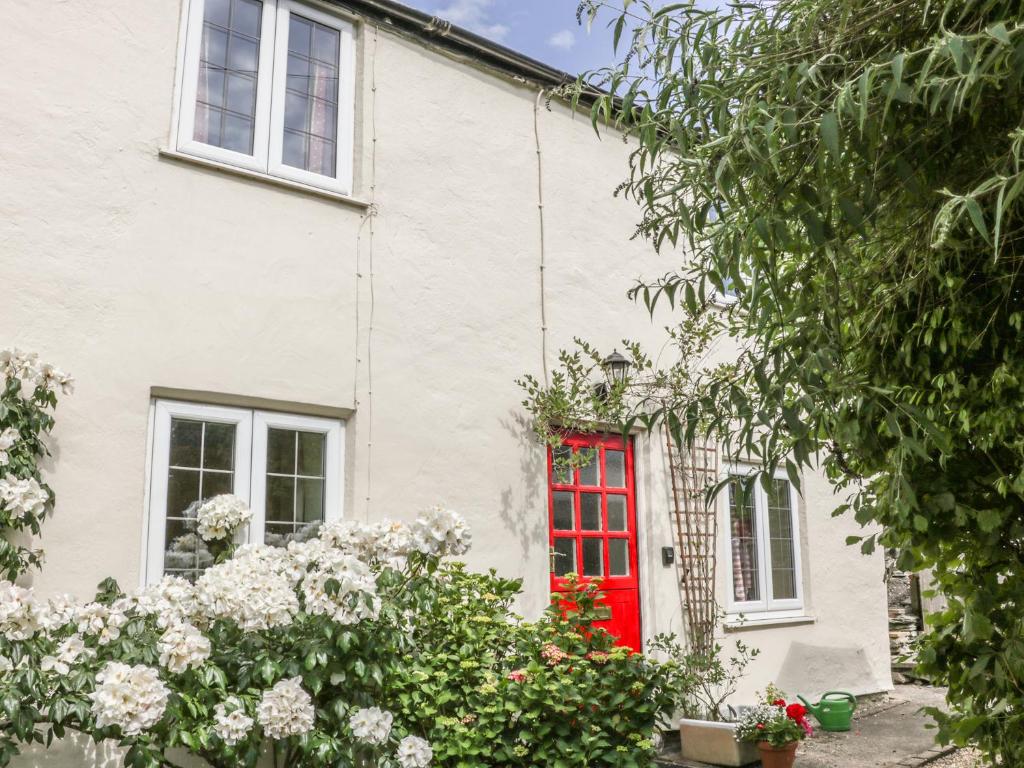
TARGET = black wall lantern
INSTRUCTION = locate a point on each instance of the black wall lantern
(615, 368)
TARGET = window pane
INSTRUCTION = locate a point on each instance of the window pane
(299, 33)
(228, 62)
(590, 511)
(182, 490)
(216, 483)
(311, 108)
(564, 519)
(278, 534)
(742, 519)
(311, 454)
(618, 557)
(186, 442)
(593, 557)
(590, 473)
(565, 556)
(561, 468)
(246, 17)
(241, 94)
(217, 12)
(219, 446)
(281, 499)
(211, 86)
(237, 134)
(281, 451)
(615, 469)
(310, 500)
(616, 513)
(780, 531)
(325, 44)
(185, 550)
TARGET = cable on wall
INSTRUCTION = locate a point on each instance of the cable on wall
(368, 224)
(540, 218)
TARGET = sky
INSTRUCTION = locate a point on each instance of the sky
(545, 30)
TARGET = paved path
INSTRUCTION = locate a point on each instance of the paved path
(886, 730)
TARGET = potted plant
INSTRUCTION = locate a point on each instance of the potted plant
(701, 684)
(776, 727)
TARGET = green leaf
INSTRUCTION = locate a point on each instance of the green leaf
(830, 133)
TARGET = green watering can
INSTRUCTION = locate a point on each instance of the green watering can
(835, 710)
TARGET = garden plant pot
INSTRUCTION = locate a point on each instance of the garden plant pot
(704, 741)
(777, 757)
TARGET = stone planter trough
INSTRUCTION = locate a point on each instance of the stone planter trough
(715, 744)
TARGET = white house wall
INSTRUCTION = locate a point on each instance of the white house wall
(135, 270)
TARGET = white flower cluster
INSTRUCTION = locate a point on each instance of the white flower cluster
(104, 621)
(59, 611)
(172, 600)
(220, 516)
(8, 438)
(438, 532)
(372, 725)
(68, 652)
(19, 612)
(414, 752)
(230, 721)
(183, 646)
(31, 373)
(286, 710)
(132, 698)
(22, 496)
(249, 591)
(342, 587)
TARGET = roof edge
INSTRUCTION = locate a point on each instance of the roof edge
(453, 37)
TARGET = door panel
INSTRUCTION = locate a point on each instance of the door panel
(592, 527)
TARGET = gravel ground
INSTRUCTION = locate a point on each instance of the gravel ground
(965, 758)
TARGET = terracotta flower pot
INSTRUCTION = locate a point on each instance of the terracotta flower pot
(777, 757)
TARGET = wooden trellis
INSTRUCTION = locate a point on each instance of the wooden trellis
(694, 469)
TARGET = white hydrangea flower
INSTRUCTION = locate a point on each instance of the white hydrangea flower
(442, 532)
(68, 652)
(132, 698)
(286, 710)
(105, 622)
(220, 516)
(59, 611)
(172, 600)
(183, 646)
(249, 591)
(231, 723)
(355, 597)
(414, 752)
(372, 725)
(22, 496)
(19, 613)
(8, 438)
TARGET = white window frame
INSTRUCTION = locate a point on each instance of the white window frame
(250, 467)
(329, 428)
(268, 130)
(767, 606)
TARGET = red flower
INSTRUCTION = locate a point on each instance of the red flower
(779, 703)
(796, 712)
(760, 726)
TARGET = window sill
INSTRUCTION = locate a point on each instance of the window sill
(766, 622)
(182, 157)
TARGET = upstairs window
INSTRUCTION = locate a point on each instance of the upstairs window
(268, 86)
(763, 541)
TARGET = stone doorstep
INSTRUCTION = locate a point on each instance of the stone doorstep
(923, 758)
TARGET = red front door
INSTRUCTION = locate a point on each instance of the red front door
(592, 524)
